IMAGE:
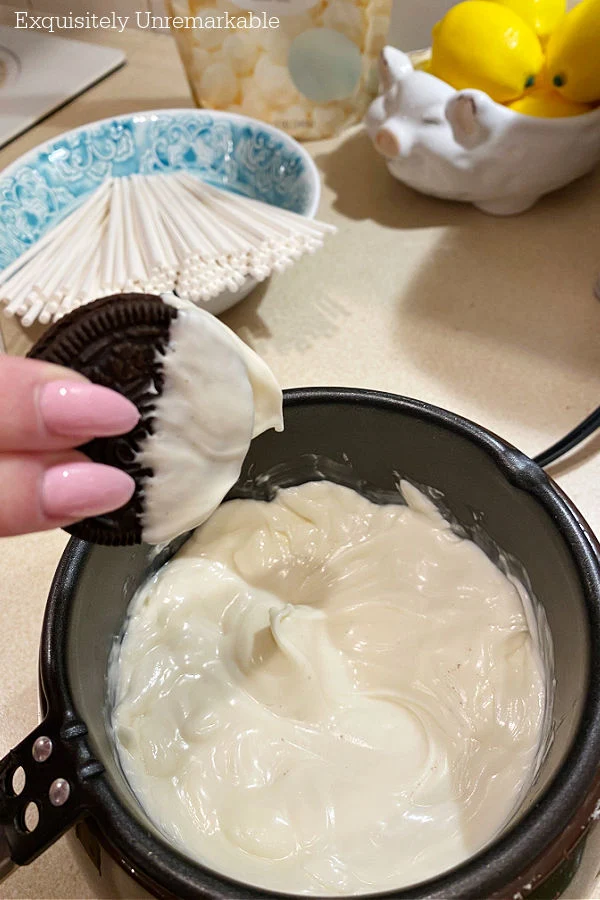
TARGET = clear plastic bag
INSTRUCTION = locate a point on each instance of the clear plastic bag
(306, 67)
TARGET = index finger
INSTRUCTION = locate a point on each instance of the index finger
(48, 407)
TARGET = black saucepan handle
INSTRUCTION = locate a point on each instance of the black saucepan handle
(580, 433)
(39, 796)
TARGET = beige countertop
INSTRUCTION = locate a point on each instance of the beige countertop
(492, 318)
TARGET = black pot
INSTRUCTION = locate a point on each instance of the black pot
(362, 439)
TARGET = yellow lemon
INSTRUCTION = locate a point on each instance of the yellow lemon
(486, 46)
(542, 15)
(549, 105)
(424, 65)
(574, 53)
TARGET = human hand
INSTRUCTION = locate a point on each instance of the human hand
(46, 411)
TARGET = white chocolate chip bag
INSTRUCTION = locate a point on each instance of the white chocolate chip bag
(305, 66)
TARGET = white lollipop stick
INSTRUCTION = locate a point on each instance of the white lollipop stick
(169, 244)
(48, 311)
(175, 220)
(32, 313)
(133, 257)
(150, 244)
(223, 237)
(60, 232)
(295, 220)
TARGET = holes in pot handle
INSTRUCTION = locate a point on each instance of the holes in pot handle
(30, 817)
(18, 781)
(41, 790)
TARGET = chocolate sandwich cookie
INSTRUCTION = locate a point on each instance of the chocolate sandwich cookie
(116, 342)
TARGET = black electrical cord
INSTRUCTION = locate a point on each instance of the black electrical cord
(574, 437)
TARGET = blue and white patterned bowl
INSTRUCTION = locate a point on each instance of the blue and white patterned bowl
(231, 151)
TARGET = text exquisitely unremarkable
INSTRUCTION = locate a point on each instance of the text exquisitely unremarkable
(143, 20)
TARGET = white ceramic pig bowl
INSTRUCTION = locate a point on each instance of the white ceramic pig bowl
(462, 145)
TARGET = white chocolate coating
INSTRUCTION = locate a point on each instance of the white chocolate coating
(218, 394)
(321, 695)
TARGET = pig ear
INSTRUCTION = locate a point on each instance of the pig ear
(465, 112)
(394, 65)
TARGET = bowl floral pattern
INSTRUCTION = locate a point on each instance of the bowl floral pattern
(230, 151)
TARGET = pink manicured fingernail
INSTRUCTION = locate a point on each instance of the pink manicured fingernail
(81, 489)
(79, 409)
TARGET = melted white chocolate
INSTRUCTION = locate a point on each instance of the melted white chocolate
(218, 394)
(321, 695)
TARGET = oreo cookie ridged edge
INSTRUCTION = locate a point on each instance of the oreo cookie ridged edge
(114, 342)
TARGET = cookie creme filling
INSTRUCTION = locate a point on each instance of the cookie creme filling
(321, 695)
